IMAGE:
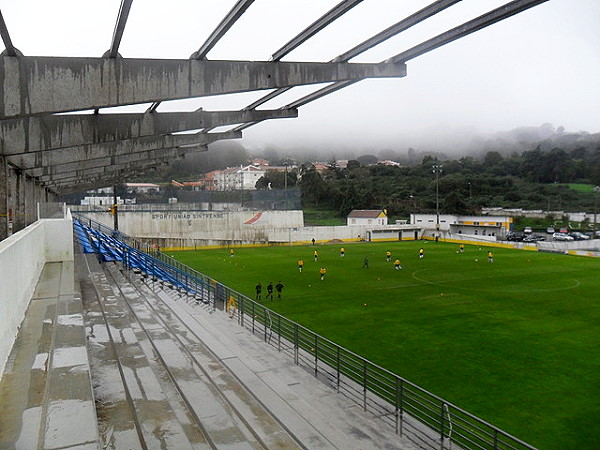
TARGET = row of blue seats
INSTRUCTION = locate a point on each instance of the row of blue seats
(110, 249)
(94, 241)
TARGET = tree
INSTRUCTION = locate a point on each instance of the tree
(312, 186)
(262, 183)
(492, 158)
(353, 164)
(454, 204)
(366, 160)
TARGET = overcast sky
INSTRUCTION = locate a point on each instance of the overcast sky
(539, 66)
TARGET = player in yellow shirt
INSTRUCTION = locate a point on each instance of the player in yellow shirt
(490, 256)
(322, 272)
(462, 248)
(316, 255)
(231, 306)
(300, 265)
(388, 256)
(342, 252)
(397, 265)
(421, 253)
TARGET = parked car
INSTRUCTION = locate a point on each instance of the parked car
(534, 238)
(550, 230)
(579, 236)
(528, 230)
(562, 237)
(515, 236)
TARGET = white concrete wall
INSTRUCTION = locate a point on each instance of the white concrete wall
(190, 229)
(343, 233)
(199, 225)
(22, 258)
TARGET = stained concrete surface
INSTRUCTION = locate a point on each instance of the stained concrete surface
(126, 365)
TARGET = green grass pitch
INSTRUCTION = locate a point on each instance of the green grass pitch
(516, 341)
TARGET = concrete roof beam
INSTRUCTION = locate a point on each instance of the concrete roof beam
(31, 134)
(97, 176)
(145, 156)
(83, 153)
(44, 85)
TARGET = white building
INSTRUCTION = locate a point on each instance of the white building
(496, 226)
(235, 178)
(367, 217)
(100, 200)
(142, 188)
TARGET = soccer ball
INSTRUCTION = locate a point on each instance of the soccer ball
(476, 260)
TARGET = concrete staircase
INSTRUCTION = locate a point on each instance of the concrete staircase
(129, 363)
(45, 391)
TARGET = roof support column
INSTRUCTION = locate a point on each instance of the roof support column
(8, 198)
(19, 220)
(30, 208)
(3, 199)
(11, 187)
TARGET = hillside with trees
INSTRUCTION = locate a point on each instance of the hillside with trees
(532, 179)
(529, 168)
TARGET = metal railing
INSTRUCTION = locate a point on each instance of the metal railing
(413, 412)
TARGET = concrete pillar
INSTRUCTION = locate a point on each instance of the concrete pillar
(3, 199)
(30, 215)
(11, 194)
(20, 196)
(39, 197)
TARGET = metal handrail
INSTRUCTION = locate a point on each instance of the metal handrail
(412, 411)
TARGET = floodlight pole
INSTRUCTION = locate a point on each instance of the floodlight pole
(470, 194)
(285, 185)
(596, 191)
(437, 169)
(115, 208)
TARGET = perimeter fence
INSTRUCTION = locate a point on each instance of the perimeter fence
(424, 418)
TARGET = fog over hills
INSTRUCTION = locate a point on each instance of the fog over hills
(445, 142)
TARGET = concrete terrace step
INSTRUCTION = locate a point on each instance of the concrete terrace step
(45, 391)
(242, 405)
(163, 372)
(137, 406)
(314, 413)
(176, 396)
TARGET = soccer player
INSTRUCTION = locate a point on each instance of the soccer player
(322, 272)
(270, 290)
(397, 265)
(316, 255)
(366, 263)
(300, 265)
(342, 252)
(231, 253)
(421, 253)
(462, 248)
(258, 291)
(231, 306)
(490, 256)
(279, 288)
(388, 256)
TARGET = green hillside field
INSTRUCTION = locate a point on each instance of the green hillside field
(515, 342)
